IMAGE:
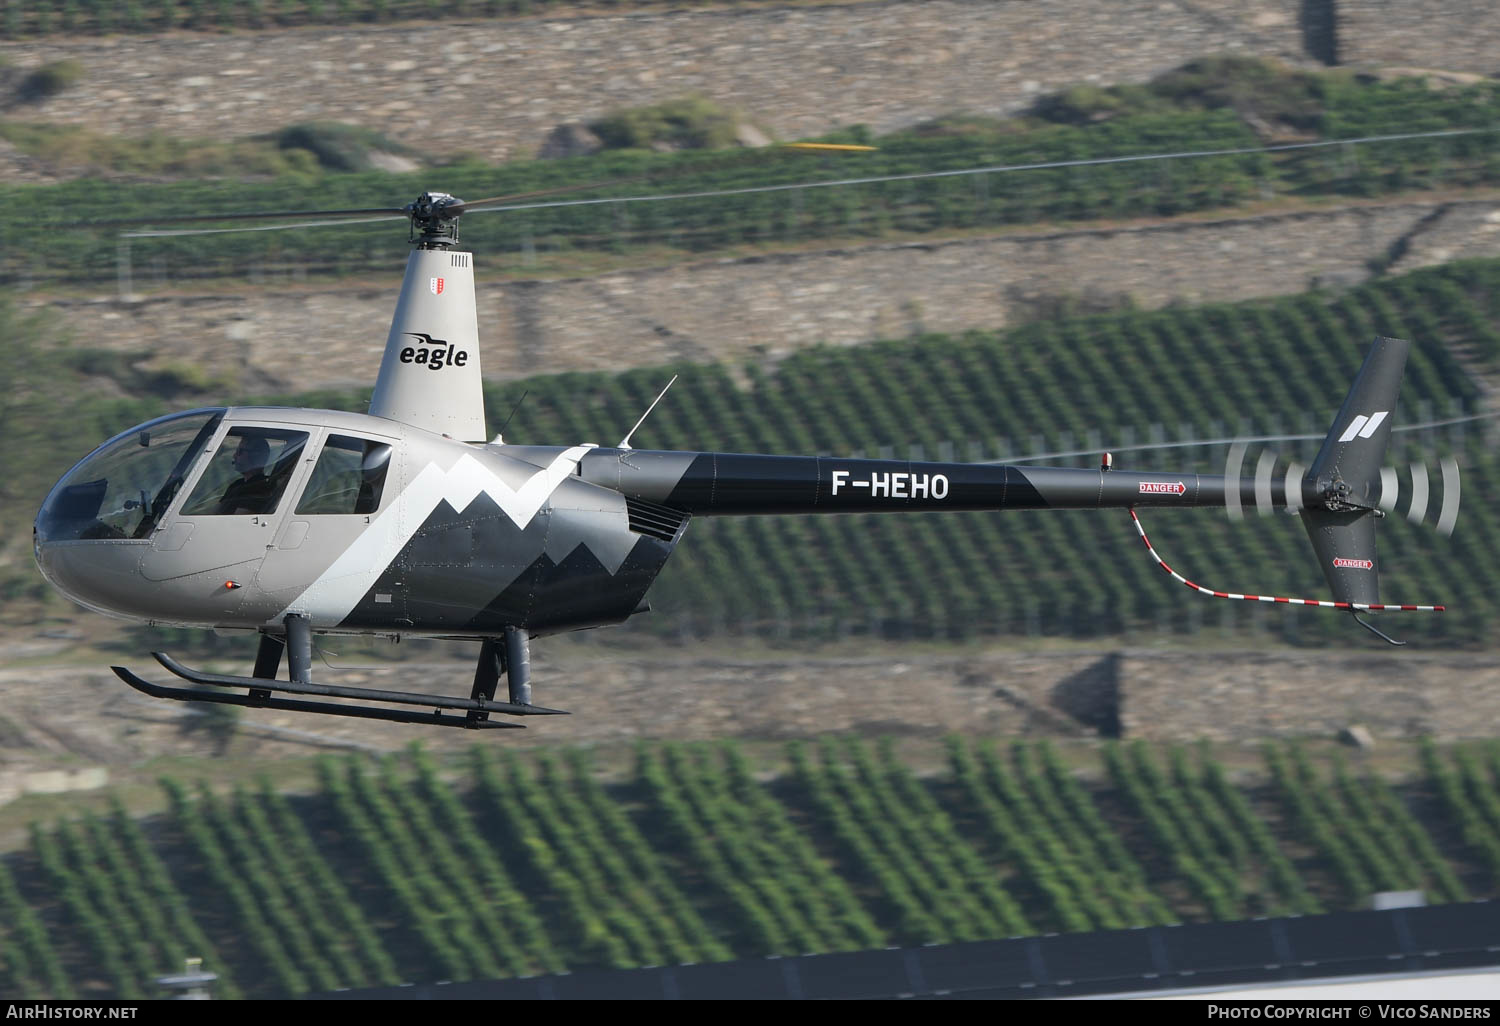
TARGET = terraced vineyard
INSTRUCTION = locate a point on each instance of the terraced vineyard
(399, 872)
(39, 18)
(868, 195)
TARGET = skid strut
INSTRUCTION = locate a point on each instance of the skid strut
(486, 679)
(511, 657)
(518, 666)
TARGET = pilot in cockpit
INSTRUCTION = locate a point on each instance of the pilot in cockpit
(253, 491)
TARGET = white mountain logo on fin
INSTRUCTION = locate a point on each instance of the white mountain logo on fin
(1363, 426)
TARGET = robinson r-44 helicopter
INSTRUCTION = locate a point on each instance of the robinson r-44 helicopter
(409, 520)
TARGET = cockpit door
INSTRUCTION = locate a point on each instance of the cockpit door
(350, 481)
(212, 541)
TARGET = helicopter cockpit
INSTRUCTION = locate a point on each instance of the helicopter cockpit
(215, 514)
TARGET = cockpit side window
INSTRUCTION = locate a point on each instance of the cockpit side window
(248, 473)
(349, 477)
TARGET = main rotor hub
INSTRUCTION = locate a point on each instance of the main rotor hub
(434, 220)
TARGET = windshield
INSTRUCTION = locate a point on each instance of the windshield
(122, 488)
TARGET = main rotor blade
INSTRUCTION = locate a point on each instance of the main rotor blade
(172, 232)
(748, 159)
(469, 206)
(265, 215)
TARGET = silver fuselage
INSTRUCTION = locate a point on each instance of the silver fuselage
(461, 539)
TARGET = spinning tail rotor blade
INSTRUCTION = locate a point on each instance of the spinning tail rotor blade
(1233, 462)
(1266, 479)
(1386, 493)
(1448, 517)
(1418, 510)
(1389, 489)
(1421, 494)
(1293, 487)
(1263, 468)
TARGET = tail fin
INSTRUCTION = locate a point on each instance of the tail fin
(1342, 490)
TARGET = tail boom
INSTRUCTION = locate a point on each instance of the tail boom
(735, 484)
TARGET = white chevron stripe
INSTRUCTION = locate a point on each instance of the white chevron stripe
(338, 590)
(1364, 426)
(1375, 419)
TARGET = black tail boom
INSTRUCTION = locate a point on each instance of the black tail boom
(734, 484)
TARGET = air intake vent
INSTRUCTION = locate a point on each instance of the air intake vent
(660, 522)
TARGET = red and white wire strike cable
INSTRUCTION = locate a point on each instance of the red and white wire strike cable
(1323, 603)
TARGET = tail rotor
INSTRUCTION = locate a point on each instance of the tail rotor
(1426, 486)
(1343, 494)
(1419, 498)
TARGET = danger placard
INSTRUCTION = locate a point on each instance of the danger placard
(1162, 487)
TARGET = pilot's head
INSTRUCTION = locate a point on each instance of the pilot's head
(251, 455)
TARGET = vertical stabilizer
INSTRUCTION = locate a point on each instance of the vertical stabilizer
(1348, 465)
(1346, 478)
(429, 377)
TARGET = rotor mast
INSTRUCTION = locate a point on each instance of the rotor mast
(429, 376)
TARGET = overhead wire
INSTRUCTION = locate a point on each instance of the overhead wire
(1192, 443)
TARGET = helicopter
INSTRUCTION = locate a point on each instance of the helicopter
(410, 520)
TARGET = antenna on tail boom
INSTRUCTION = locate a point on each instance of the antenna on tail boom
(625, 442)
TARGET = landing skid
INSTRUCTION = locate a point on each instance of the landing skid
(476, 710)
(292, 705)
